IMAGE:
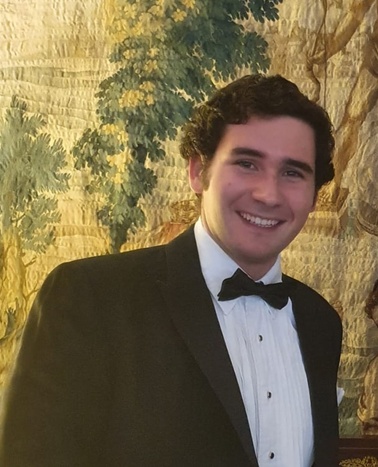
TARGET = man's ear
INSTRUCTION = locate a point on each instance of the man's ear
(196, 174)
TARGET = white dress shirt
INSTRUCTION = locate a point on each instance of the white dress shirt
(263, 346)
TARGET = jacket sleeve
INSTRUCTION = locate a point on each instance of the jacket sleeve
(60, 374)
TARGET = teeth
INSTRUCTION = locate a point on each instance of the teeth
(259, 221)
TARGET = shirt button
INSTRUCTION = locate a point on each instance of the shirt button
(269, 395)
(260, 337)
(271, 455)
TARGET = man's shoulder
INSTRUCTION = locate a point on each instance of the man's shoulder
(116, 261)
(315, 302)
(300, 287)
(136, 261)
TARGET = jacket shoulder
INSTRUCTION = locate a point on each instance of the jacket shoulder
(314, 299)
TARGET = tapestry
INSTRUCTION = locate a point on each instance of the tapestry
(92, 98)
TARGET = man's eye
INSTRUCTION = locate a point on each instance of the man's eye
(245, 164)
(293, 173)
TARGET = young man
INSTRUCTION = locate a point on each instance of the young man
(173, 356)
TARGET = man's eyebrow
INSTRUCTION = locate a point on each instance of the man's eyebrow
(244, 151)
(299, 165)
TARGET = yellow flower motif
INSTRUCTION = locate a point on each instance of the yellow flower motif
(131, 98)
(179, 15)
(151, 65)
(119, 161)
(139, 29)
(128, 54)
(118, 178)
(153, 52)
(111, 160)
(147, 86)
(150, 100)
(130, 11)
(117, 130)
(122, 137)
(188, 3)
(156, 10)
(109, 129)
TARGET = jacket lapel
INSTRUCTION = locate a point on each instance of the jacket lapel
(310, 330)
(193, 314)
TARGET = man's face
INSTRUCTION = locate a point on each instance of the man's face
(258, 189)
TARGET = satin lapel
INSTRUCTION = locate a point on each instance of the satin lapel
(311, 348)
(192, 311)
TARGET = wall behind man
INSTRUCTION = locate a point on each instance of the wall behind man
(55, 59)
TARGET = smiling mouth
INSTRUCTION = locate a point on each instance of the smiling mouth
(259, 221)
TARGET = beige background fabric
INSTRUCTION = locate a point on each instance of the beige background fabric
(54, 55)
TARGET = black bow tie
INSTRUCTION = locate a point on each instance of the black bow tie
(276, 295)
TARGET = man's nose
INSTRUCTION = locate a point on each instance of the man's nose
(267, 190)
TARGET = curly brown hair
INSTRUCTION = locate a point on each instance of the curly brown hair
(263, 96)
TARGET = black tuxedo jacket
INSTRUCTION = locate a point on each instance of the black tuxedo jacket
(123, 363)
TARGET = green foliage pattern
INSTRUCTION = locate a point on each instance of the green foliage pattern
(170, 55)
(30, 173)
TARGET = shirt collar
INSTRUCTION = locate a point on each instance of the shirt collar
(216, 265)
